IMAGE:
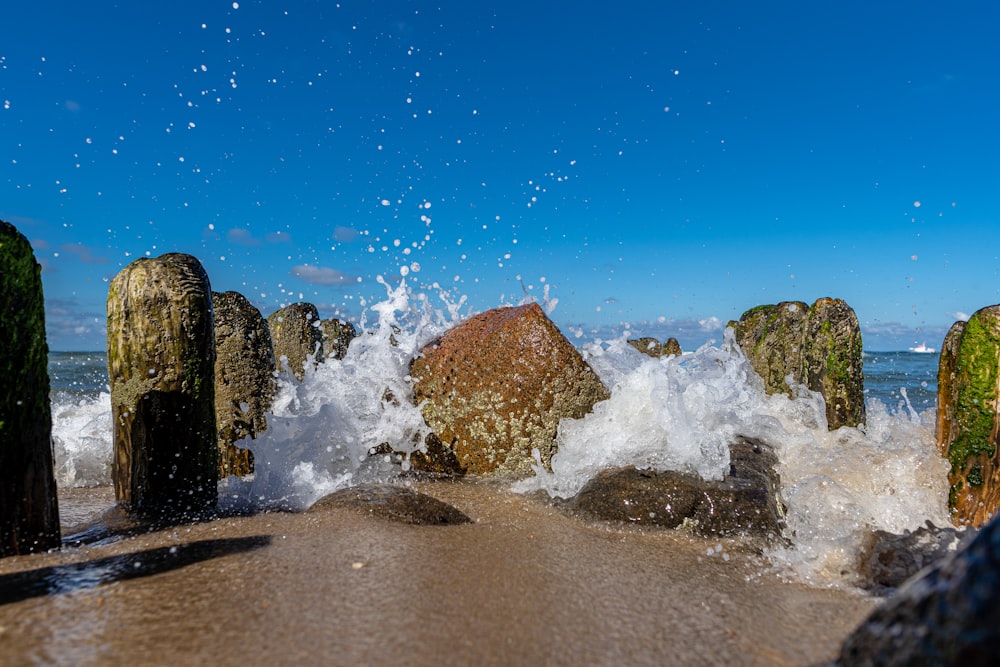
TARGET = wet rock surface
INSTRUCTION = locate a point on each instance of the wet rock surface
(495, 387)
(968, 417)
(244, 379)
(745, 502)
(394, 503)
(888, 560)
(337, 336)
(949, 616)
(295, 335)
(654, 348)
(819, 346)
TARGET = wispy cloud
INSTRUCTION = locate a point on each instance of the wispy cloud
(345, 234)
(241, 236)
(279, 237)
(84, 253)
(322, 275)
(69, 326)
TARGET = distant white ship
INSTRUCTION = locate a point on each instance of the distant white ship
(922, 348)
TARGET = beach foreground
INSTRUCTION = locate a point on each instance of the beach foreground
(524, 584)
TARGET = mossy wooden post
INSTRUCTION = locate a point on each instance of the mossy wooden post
(968, 417)
(244, 379)
(161, 362)
(295, 334)
(29, 512)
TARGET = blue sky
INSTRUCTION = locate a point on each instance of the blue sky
(665, 164)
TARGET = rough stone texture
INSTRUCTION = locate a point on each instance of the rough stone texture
(29, 512)
(888, 560)
(495, 387)
(161, 363)
(820, 346)
(968, 420)
(949, 616)
(744, 503)
(653, 347)
(244, 379)
(394, 503)
(295, 334)
(337, 336)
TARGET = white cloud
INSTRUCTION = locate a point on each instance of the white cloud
(322, 275)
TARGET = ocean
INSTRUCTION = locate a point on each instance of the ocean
(676, 413)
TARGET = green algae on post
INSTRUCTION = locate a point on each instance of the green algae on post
(29, 513)
(161, 364)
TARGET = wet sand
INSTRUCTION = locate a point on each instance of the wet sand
(524, 584)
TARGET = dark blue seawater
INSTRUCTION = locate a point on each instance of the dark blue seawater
(84, 374)
(889, 374)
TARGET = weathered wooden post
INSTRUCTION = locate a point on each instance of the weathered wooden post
(968, 425)
(161, 363)
(337, 337)
(295, 334)
(244, 378)
(29, 511)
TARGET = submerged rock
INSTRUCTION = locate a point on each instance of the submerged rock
(968, 418)
(653, 347)
(244, 379)
(295, 335)
(495, 387)
(888, 560)
(744, 503)
(819, 346)
(394, 503)
(161, 364)
(29, 510)
(337, 336)
(949, 616)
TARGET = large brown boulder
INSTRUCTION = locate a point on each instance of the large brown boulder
(495, 387)
(29, 511)
(295, 334)
(968, 421)
(244, 379)
(819, 346)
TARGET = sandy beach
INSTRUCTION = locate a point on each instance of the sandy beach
(523, 584)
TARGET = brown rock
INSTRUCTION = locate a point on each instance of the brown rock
(295, 334)
(244, 379)
(654, 348)
(495, 387)
(394, 503)
(819, 347)
(744, 503)
(968, 418)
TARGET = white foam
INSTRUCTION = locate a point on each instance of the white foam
(81, 438)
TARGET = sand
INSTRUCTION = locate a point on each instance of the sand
(525, 584)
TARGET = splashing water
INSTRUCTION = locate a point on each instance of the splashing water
(670, 413)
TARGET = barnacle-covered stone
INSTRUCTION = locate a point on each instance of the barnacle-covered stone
(495, 387)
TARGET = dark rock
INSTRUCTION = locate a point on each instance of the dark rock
(394, 503)
(437, 459)
(969, 416)
(29, 511)
(161, 363)
(337, 336)
(888, 560)
(948, 616)
(295, 334)
(495, 387)
(819, 347)
(244, 379)
(654, 348)
(743, 503)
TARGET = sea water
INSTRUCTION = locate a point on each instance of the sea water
(670, 413)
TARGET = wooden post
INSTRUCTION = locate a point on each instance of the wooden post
(161, 363)
(29, 511)
(295, 334)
